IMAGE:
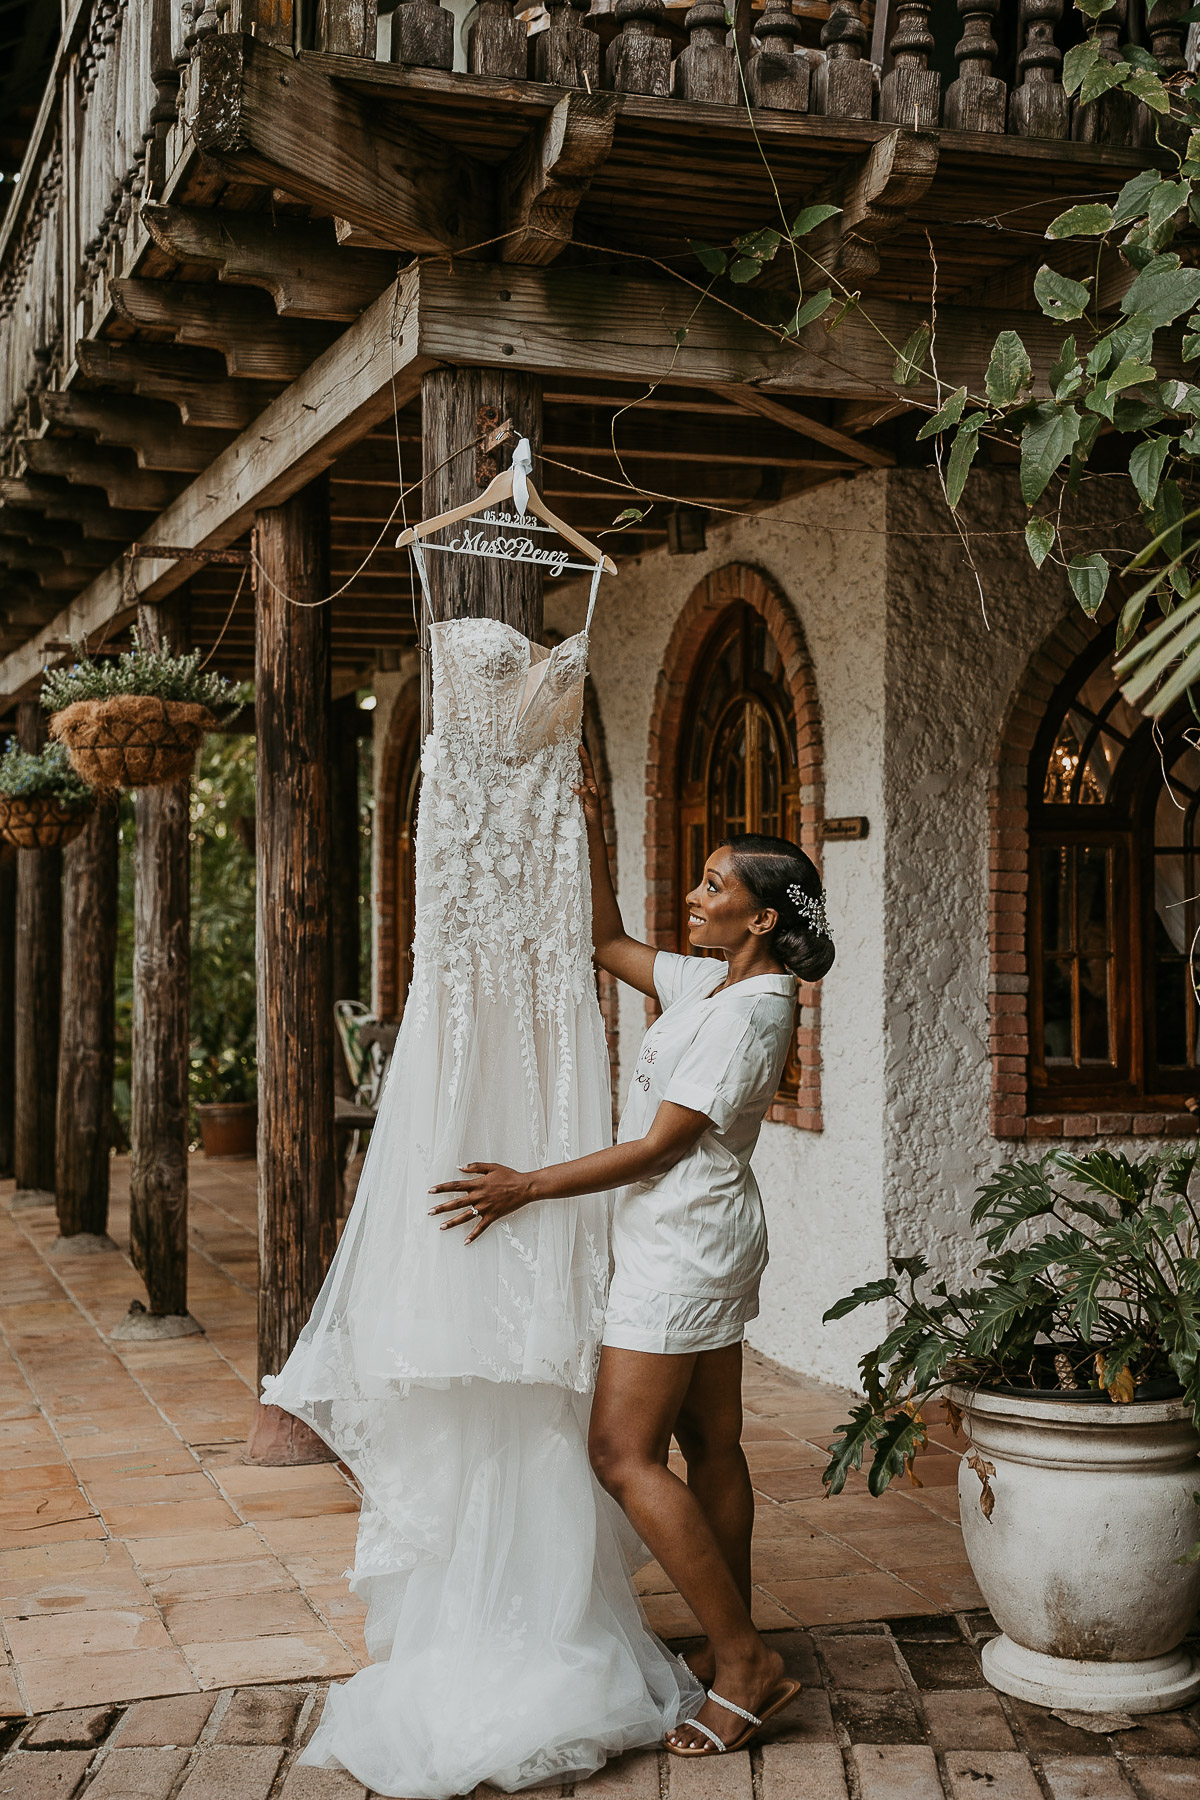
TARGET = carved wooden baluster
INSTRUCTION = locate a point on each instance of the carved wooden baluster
(1040, 105)
(911, 91)
(845, 85)
(977, 100)
(1110, 119)
(779, 73)
(498, 43)
(638, 60)
(343, 27)
(423, 35)
(706, 69)
(567, 53)
(1167, 31)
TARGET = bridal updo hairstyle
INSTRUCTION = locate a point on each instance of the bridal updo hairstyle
(769, 867)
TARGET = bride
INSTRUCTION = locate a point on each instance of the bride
(508, 1644)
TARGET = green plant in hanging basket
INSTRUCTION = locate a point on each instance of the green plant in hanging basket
(43, 801)
(134, 720)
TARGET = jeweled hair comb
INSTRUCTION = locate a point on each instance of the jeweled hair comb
(811, 911)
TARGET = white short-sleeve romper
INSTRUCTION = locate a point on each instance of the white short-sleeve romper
(689, 1248)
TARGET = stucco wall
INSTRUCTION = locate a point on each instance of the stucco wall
(823, 1192)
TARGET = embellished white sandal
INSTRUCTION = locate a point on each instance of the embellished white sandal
(785, 1692)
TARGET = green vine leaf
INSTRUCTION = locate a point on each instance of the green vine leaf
(1009, 369)
(1088, 576)
(962, 455)
(949, 415)
(1058, 296)
(1039, 539)
(1146, 466)
(1047, 440)
(1161, 293)
(708, 256)
(812, 309)
(1092, 220)
(1149, 90)
(1101, 77)
(810, 217)
(1133, 201)
(1076, 63)
(911, 360)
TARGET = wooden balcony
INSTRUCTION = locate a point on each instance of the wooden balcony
(210, 224)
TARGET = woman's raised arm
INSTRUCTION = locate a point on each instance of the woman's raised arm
(614, 949)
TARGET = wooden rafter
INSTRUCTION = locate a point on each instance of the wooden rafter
(88, 465)
(542, 183)
(307, 274)
(191, 380)
(148, 428)
(244, 327)
(283, 121)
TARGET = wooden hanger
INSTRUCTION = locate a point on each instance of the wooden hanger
(501, 488)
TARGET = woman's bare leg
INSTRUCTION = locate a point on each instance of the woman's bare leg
(709, 1433)
(638, 1399)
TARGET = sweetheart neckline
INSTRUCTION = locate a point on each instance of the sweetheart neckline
(530, 643)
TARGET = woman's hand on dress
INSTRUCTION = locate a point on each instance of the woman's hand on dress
(588, 790)
(487, 1192)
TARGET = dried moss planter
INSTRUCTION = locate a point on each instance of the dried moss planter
(40, 822)
(132, 740)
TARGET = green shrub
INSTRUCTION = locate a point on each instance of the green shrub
(46, 776)
(155, 673)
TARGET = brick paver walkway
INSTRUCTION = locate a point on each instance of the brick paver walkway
(895, 1712)
(171, 1617)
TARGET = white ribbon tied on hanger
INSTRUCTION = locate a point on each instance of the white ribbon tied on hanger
(522, 469)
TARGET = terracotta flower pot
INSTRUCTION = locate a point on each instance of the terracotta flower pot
(41, 823)
(132, 740)
(1075, 1544)
(229, 1128)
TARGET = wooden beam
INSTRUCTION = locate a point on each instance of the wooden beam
(625, 327)
(302, 267)
(376, 364)
(542, 183)
(44, 566)
(874, 193)
(779, 414)
(263, 116)
(35, 528)
(8, 969)
(244, 327)
(85, 1056)
(146, 427)
(192, 380)
(88, 465)
(59, 500)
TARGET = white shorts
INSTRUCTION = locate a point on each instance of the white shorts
(674, 1324)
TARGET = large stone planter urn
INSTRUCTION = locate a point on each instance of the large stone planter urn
(1078, 1560)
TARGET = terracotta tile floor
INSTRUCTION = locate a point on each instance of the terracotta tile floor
(139, 1556)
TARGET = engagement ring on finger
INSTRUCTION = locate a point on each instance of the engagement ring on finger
(477, 1212)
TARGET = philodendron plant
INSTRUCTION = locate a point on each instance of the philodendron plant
(1091, 1284)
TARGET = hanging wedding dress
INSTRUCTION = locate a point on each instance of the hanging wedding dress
(508, 1643)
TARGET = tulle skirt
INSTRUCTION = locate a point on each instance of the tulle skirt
(509, 1645)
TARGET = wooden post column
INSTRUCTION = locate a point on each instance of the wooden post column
(36, 1000)
(85, 1057)
(158, 1177)
(8, 970)
(297, 1186)
(456, 408)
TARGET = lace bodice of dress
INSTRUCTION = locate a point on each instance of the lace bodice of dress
(503, 895)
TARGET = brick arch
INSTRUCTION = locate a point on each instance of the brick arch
(402, 742)
(693, 629)
(1008, 886)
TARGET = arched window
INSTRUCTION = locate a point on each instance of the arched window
(1114, 899)
(739, 747)
(738, 755)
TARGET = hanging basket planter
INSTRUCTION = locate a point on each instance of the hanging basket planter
(40, 823)
(132, 740)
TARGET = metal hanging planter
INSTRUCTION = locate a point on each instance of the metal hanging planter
(39, 822)
(132, 740)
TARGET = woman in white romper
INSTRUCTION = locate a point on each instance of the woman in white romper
(689, 1238)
